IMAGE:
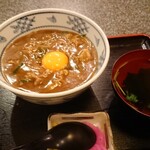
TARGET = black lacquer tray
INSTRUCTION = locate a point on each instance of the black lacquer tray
(21, 121)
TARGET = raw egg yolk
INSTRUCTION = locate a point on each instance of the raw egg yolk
(55, 60)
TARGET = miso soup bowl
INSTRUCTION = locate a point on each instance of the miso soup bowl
(58, 19)
(131, 67)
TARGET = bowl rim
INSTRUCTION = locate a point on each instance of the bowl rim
(119, 93)
(75, 89)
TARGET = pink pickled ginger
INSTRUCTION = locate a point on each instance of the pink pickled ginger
(100, 138)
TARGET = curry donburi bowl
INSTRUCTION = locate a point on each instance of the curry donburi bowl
(53, 19)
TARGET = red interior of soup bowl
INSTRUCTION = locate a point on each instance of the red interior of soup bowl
(130, 62)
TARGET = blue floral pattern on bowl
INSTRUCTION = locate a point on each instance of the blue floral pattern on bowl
(23, 24)
(2, 39)
(52, 20)
(57, 19)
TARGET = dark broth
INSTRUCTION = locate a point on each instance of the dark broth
(139, 85)
(22, 61)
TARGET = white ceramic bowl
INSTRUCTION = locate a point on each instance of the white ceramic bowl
(54, 19)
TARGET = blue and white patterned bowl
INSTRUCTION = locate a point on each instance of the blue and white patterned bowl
(59, 19)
